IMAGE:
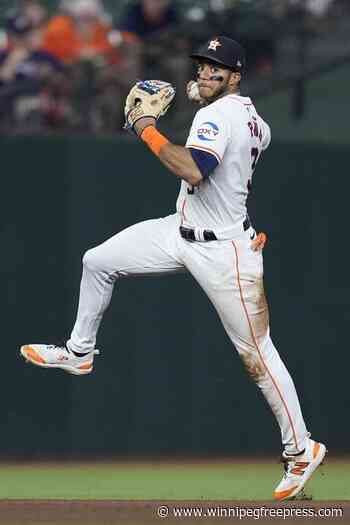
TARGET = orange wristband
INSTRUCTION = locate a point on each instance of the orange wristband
(154, 140)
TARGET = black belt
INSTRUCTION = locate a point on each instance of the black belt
(208, 235)
(246, 224)
(189, 235)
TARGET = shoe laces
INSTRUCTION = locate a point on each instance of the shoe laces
(58, 345)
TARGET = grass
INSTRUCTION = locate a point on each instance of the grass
(231, 480)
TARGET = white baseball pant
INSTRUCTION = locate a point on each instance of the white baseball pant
(230, 273)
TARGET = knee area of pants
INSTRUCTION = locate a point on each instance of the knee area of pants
(92, 260)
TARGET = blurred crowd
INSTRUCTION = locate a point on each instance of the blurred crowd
(72, 70)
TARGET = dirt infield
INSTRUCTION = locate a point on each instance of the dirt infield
(59, 512)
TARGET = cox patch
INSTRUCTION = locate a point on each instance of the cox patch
(207, 131)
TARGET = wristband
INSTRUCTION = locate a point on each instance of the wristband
(154, 140)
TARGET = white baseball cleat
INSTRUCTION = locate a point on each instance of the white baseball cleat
(299, 469)
(52, 356)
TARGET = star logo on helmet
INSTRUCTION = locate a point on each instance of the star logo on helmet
(213, 44)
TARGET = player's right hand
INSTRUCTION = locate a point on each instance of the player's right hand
(193, 92)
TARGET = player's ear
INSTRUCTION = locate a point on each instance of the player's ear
(235, 79)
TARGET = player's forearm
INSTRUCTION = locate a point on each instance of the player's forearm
(179, 160)
(176, 158)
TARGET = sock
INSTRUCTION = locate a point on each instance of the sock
(78, 354)
(297, 454)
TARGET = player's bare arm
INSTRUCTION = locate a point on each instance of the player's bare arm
(142, 112)
(176, 158)
(180, 162)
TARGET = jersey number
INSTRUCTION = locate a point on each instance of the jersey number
(190, 190)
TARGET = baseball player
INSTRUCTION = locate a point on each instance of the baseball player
(210, 235)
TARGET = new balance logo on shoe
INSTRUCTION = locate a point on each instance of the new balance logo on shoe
(300, 467)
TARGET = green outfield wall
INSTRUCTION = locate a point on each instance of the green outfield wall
(168, 380)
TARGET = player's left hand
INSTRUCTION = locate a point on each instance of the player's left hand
(259, 242)
(148, 99)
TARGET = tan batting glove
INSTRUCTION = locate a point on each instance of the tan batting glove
(259, 242)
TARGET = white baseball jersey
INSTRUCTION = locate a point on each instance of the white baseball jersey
(232, 131)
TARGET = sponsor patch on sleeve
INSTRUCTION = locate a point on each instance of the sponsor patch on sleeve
(208, 131)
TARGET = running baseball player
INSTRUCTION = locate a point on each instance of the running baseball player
(210, 235)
